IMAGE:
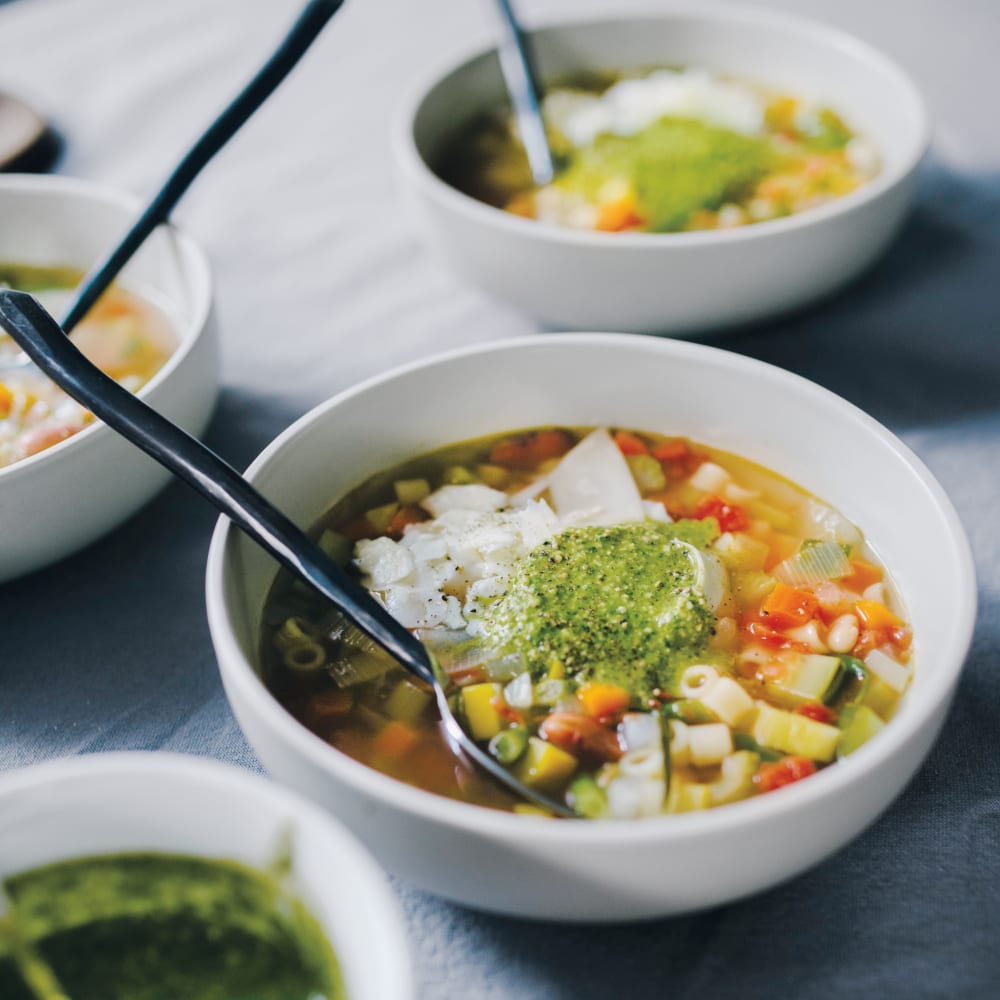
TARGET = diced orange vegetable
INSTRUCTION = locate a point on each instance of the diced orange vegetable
(551, 444)
(403, 517)
(787, 607)
(6, 401)
(875, 615)
(603, 701)
(629, 444)
(395, 739)
(522, 204)
(783, 772)
(526, 451)
(863, 574)
(46, 437)
(671, 450)
(617, 216)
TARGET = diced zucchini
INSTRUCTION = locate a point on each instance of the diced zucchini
(379, 517)
(794, 734)
(544, 766)
(858, 724)
(481, 715)
(736, 778)
(458, 475)
(894, 674)
(807, 678)
(741, 552)
(751, 588)
(337, 546)
(688, 796)
(880, 697)
(493, 475)
(407, 702)
(647, 473)
(411, 491)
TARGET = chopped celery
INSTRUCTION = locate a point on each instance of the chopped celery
(354, 667)
(379, 517)
(822, 560)
(741, 552)
(337, 546)
(794, 734)
(647, 473)
(458, 475)
(858, 724)
(586, 798)
(509, 744)
(751, 588)
(411, 491)
(407, 701)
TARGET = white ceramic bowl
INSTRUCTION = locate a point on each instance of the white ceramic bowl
(67, 496)
(608, 870)
(676, 283)
(112, 803)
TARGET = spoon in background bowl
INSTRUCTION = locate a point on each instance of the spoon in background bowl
(525, 94)
(310, 22)
(41, 338)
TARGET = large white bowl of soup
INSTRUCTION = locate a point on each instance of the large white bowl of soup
(676, 589)
(715, 166)
(142, 875)
(65, 479)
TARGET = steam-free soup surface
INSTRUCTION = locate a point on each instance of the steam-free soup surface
(160, 927)
(125, 335)
(632, 622)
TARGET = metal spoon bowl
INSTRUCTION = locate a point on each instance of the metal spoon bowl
(46, 343)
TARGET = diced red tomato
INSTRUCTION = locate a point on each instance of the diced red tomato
(764, 633)
(629, 444)
(783, 772)
(818, 711)
(729, 516)
(507, 712)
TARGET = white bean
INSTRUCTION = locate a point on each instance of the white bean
(843, 634)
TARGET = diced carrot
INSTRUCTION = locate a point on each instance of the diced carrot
(525, 451)
(45, 437)
(395, 739)
(786, 607)
(730, 516)
(617, 216)
(551, 444)
(629, 444)
(522, 204)
(6, 401)
(670, 450)
(863, 574)
(875, 615)
(603, 701)
(404, 516)
(507, 712)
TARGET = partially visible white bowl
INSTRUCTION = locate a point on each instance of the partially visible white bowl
(606, 870)
(114, 803)
(65, 497)
(676, 283)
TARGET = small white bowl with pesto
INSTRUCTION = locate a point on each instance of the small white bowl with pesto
(714, 166)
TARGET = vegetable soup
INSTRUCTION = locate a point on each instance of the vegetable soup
(667, 150)
(126, 336)
(635, 623)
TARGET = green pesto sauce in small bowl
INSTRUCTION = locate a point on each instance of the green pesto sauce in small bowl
(160, 927)
(623, 603)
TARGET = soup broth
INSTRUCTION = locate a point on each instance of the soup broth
(126, 336)
(636, 623)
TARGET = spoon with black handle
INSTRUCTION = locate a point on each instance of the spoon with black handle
(310, 22)
(42, 339)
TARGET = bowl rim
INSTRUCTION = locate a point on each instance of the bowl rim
(187, 336)
(236, 670)
(206, 773)
(416, 169)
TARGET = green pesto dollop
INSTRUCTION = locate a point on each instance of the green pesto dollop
(677, 166)
(621, 604)
(160, 927)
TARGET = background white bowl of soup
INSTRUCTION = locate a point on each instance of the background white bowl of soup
(173, 804)
(66, 496)
(675, 283)
(606, 870)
